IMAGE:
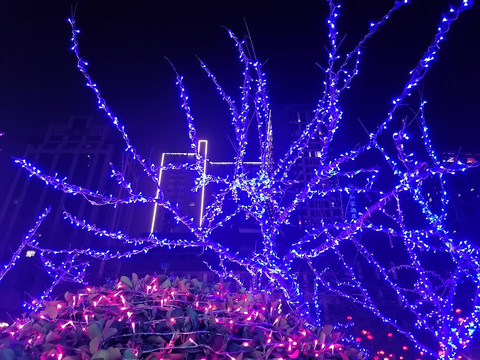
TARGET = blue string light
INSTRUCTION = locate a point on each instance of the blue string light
(430, 299)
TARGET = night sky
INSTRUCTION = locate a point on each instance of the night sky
(126, 43)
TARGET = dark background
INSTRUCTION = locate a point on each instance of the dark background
(126, 44)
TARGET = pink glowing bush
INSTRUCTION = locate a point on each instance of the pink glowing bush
(157, 318)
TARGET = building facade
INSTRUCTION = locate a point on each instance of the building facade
(80, 151)
(464, 197)
(320, 209)
(177, 178)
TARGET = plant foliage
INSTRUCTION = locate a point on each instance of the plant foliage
(162, 318)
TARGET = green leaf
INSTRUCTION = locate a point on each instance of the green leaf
(95, 344)
(126, 281)
(218, 342)
(229, 300)
(247, 333)
(161, 278)
(181, 286)
(41, 329)
(283, 323)
(114, 353)
(327, 329)
(135, 281)
(156, 339)
(177, 312)
(187, 344)
(114, 310)
(336, 336)
(322, 337)
(128, 355)
(68, 296)
(52, 336)
(52, 311)
(101, 355)
(196, 284)
(94, 331)
(194, 317)
(261, 337)
(255, 354)
(108, 323)
(166, 284)
(107, 334)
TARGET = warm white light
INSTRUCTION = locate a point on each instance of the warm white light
(152, 227)
(204, 174)
(30, 253)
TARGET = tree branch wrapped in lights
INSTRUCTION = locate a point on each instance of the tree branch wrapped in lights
(426, 294)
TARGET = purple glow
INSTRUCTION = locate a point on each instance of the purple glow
(429, 300)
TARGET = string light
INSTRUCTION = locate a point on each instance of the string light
(387, 190)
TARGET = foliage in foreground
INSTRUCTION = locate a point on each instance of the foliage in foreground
(157, 318)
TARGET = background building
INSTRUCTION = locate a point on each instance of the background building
(80, 151)
(319, 209)
(464, 195)
(177, 183)
(177, 179)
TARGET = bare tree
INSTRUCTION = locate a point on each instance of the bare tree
(431, 268)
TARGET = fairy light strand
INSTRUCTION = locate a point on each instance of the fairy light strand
(260, 195)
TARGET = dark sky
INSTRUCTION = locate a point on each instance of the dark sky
(126, 43)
